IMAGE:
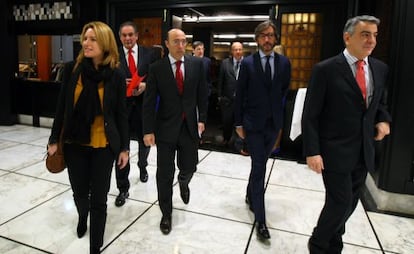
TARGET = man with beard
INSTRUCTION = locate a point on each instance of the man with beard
(263, 83)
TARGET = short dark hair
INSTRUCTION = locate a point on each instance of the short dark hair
(263, 26)
(128, 23)
(195, 44)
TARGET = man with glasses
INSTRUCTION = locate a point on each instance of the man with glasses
(179, 81)
(263, 83)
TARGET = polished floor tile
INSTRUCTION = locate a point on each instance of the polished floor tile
(396, 234)
(191, 233)
(38, 214)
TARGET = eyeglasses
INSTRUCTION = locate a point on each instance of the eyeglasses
(270, 36)
(179, 42)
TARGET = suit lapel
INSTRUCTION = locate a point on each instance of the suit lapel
(123, 61)
(169, 77)
(258, 67)
(346, 72)
(228, 67)
(276, 64)
(188, 69)
(374, 81)
(140, 58)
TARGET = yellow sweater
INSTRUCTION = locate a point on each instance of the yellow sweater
(98, 137)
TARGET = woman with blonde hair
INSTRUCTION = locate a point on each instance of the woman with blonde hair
(91, 112)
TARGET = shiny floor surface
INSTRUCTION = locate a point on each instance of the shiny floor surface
(37, 213)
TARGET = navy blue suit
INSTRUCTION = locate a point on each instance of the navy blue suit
(259, 109)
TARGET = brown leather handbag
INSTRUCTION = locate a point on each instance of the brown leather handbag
(56, 163)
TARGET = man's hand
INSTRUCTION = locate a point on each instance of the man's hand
(140, 89)
(51, 149)
(201, 128)
(149, 139)
(383, 129)
(240, 131)
(123, 159)
(315, 163)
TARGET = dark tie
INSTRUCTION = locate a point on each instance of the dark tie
(131, 62)
(360, 78)
(268, 71)
(179, 77)
(236, 69)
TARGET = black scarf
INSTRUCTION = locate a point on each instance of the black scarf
(88, 105)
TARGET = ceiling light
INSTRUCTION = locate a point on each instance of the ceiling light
(222, 43)
(227, 18)
(224, 36)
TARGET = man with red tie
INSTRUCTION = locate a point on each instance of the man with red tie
(179, 81)
(344, 113)
(135, 60)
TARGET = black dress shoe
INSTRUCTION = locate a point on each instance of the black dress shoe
(143, 175)
(81, 229)
(184, 193)
(120, 199)
(247, 200)
(262, 231)
(95, 250)
(165, 225)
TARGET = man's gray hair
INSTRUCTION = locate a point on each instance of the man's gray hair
(352, 22)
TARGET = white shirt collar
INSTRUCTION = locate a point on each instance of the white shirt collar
(134, 49)
(172, 59)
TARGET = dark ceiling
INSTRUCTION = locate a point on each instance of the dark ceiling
(239, 27)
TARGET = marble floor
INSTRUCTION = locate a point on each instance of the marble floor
(37, 212)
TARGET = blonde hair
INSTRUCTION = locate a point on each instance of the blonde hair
(106, 40)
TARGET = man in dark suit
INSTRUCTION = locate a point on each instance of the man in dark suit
(342, 117)
(176, 126)
(263, 82)
(132, 54)
(198, 51)
(227, 82)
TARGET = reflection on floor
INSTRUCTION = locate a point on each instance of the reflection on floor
(37, 213)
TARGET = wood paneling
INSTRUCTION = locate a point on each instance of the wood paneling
(44, 56)
(149, 31)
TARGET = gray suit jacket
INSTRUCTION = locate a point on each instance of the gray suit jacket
(227, 80)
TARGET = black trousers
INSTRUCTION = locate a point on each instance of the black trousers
(134, 108)
(343, 191)
(186, 148)
(260, 145)
(89, 172)
(227, 118)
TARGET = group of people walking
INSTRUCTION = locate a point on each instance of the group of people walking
(111, 94)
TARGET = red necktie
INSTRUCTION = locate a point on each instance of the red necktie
(131, 62)
(360, 78)
(179, 77)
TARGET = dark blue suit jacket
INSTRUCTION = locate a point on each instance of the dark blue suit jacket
(336, 123)
(255, 102)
